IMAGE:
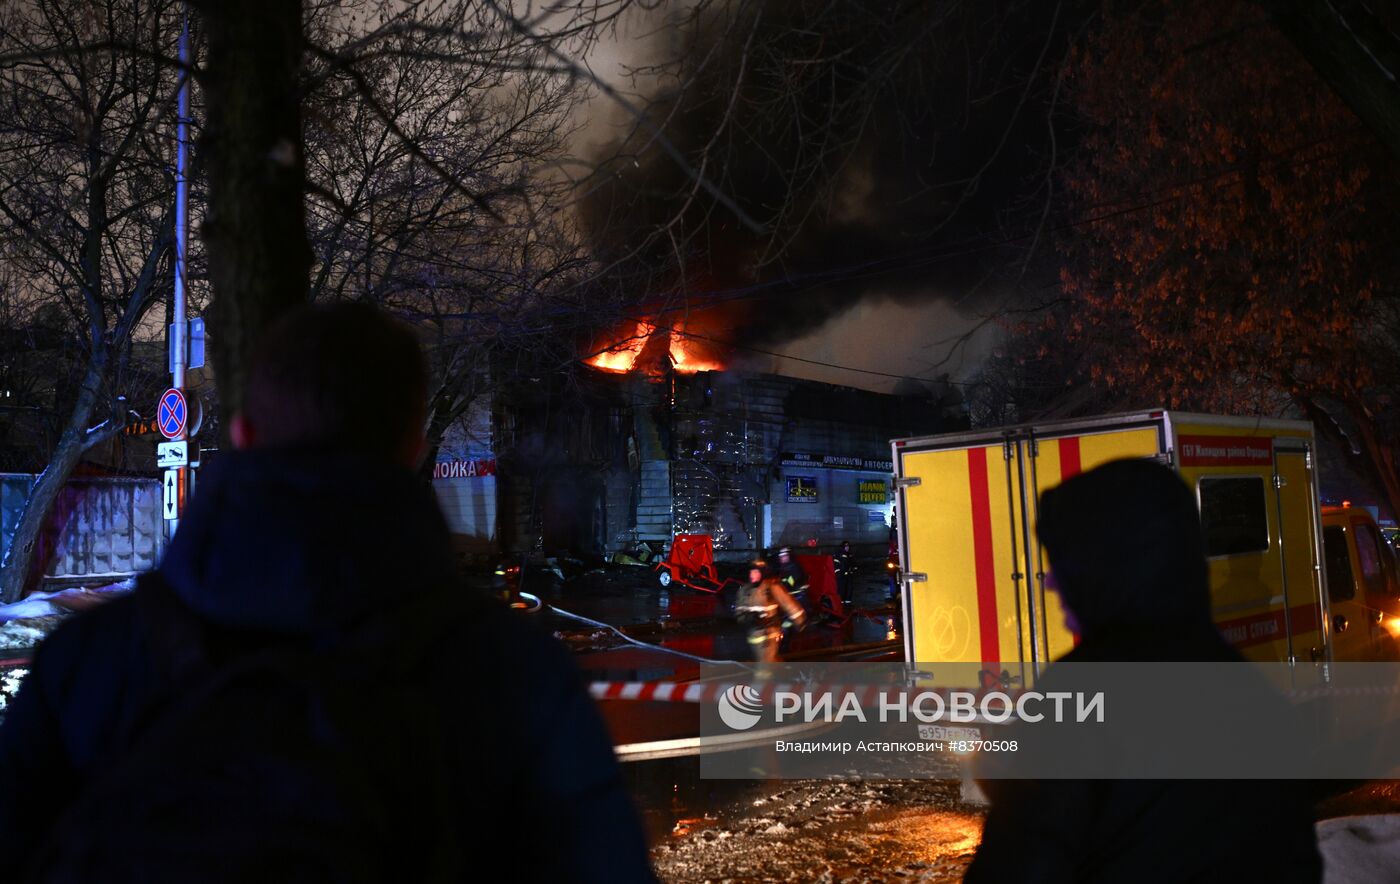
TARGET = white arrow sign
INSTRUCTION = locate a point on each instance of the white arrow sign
(170, 489)
(172, 454)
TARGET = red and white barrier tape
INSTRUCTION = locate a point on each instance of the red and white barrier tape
(866, 694)
(710, 691)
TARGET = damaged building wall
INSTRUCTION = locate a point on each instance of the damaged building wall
(764, 460)
(815, 503)
(597, 463)
(563, 478)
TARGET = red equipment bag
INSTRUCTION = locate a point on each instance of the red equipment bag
(821, 584)
(694, 556)
(692, 563)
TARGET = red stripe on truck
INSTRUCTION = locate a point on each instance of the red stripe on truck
(1242, 632)
(984, 560)
(1069, 457)
(1070, 466)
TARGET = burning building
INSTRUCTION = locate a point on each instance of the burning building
(653, 437)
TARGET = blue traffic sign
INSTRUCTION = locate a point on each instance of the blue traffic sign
(172, 413)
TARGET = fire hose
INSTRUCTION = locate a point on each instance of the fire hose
(639, 643)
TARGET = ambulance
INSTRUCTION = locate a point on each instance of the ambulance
(972, 572)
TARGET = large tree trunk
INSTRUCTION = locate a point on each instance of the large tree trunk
(255, 232)
(75, 440)
(439, 417)
(445, 405)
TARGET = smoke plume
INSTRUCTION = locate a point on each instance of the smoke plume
(858, 149)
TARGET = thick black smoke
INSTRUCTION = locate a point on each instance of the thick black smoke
(881, 146)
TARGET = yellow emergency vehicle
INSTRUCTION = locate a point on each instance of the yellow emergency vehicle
(1363, 585)
(973, 573)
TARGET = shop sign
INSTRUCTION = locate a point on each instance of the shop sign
(808, 460)
(802, 489)
(463, 469)
(872, 491)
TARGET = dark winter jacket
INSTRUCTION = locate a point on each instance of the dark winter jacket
(791, 575)
(279, 545)
(1125, 547)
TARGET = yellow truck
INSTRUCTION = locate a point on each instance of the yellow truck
(973, 574)
(1363, 585)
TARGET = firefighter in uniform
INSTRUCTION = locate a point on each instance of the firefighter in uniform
(761, 606)
(791, 576)
(844, 564)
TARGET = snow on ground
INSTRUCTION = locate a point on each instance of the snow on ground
(831, 831)
(1358, 849)
(36, 605)
(63, 601)
(25, 634)
(901, 830)
(10, 680)
(24, 624)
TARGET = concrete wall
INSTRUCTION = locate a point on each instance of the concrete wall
(100, 529)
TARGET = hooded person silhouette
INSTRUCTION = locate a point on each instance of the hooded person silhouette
(1128, 562)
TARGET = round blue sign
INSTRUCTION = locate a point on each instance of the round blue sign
(171, 414)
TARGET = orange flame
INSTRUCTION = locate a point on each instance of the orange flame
(685, 356)
(621, 356)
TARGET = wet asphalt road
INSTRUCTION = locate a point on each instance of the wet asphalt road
(698, 623)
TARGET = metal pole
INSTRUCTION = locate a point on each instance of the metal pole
(182, 208)
(180, 333)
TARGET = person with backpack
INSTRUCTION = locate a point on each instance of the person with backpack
(304, 689)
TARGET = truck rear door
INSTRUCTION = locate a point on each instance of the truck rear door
(960, 550)
(1058, 455)
(974, 588)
